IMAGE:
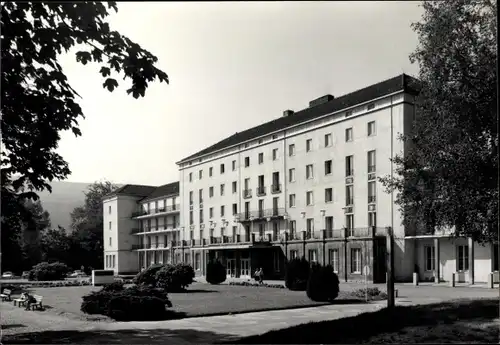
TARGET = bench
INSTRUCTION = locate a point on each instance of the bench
(38, 303)
(5, 295)
(19, 301)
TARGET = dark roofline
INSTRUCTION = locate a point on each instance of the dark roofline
(400, 83)
(144, 191)
(162, 191)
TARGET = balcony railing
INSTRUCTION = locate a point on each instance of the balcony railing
(371, 198)
(260, 214)
(247, 193)
(313, 235)
(261, 191)
(171, 208)
(371, 168)
(275, 188)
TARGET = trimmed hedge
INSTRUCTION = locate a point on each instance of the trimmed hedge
(323, 283)
(277, 286)
(115, 286)
(46, 271)
(297, 274)
(216, 272)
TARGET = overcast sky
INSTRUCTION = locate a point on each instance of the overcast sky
(231, 66)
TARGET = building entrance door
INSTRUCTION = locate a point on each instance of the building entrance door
(245, 268)
(231, 268)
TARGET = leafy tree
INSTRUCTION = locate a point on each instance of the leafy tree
(32, 231)
(87, 225)
(56, 246)
(37, 101)
(448, 176)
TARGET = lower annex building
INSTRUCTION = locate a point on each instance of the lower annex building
(303, 184)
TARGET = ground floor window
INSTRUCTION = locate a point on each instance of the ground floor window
(186, 258)
(197, 261)
(313, 255)
(356, 260)
(495, 257)
(107, 261)
(462, 258)
(429, 257)
(293, 254)
(333, 255)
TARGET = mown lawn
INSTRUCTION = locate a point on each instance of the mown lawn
(198, 300)
(459, 321)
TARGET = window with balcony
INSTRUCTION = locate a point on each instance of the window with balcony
(293, 228)
(309, 172)
(261, 208)
(275, 154)
(261, 158)
(211, 212)
(371, 128)
(191, 217)
(328, 223)
(247, 162)
(309, 198)
(211, 192)
(200, 195)
(275, 206)
(233, 165)
(349, 166)
(328, 140)
(372, 192)
(349, 222)
(328, 167)
(371, 158)
(210, 171)
(291, 175)
(276, 186)
(200, 174)
(313, 255)
(291, 200)
(235, 187)
(333, 259)
(372, 219)
(294, 254)
(356, 260)
(222, 189)
(222, 211)
(328, 194)
(191, 197)
(261, 189)
(348, 134)
(429, 258)
(310, 225)
(235, 209)
(462, 258)
(222, 169)
(309, 145)
(349, 195)
(201, 217)
(291, 150)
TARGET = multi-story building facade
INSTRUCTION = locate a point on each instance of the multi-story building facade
(141, 226)
(306, 184)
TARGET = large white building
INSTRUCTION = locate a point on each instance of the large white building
(306, 184)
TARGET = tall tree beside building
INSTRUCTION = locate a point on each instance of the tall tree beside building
(449, 175)
(87, 225)
(37, 102)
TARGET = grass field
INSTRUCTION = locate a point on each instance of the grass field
(461, 321)
(198, 300)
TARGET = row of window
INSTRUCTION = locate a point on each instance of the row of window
(333, 258)
(462, 258)
(110, 260)
(328, 141)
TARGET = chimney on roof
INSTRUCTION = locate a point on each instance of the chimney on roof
(288, 113)
(321, 100)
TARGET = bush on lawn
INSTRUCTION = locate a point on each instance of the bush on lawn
(115, 286)
(97, 302)
(296, 274)
(216, 272)
(372, 293)
(323, 283)
(46, 271)
(136, 308)
(174, 278)
(148, 276)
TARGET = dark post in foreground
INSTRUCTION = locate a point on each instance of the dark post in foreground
(390, 268)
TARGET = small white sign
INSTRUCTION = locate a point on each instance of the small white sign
(366, 270)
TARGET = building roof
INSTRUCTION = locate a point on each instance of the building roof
(402, 82)
(165, 190)
(133, 190)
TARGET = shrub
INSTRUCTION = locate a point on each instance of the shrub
(296, 274)
(115, 286)
(148, 276)
(216, 272)
(323, 283)
(46, 271)
(372, 293)
(174, 278)
(97, 302)
(136, 308)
